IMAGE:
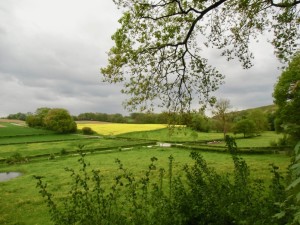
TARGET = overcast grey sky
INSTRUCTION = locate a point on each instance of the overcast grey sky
(51, 52)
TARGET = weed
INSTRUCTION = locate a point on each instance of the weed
(16, 158)
(63, 151)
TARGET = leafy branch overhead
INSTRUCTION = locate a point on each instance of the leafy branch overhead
(158, 52)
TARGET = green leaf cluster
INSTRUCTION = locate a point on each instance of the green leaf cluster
(159, 47)
(287, 97)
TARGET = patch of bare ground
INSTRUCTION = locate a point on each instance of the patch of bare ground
(15, 122)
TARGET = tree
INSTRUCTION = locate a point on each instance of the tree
(60, 120)
(260, 120)
(37, 119)
(220, 112)
(246, 127)
(159, 47)
(17, 116)
(287, 98)
(199, 122)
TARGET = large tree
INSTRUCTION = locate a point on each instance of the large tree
(59, 120)
(246, 127)
(287, 97)
(37, 119)
(158, 52)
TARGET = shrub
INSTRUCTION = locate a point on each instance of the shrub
(16, 158)
(87, 131)
(60, 121)
(51, 156)
(63, 151)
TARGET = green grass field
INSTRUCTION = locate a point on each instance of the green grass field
(173, 134)
(22, 204)
(187, 135)
(17, 129)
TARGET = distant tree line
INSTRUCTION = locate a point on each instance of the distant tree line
(141, 118)
(18, 116)
(248, 122)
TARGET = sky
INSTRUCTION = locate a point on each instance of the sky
(51, 52)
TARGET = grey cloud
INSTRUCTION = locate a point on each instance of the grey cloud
(51, 53)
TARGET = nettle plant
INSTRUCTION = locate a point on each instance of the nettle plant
(200, 196)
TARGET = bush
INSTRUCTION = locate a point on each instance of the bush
(51, 156)
(87, 131)
(203, 196)
(63, 151)
(59, 120)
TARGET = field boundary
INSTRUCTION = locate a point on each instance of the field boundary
(88, 150)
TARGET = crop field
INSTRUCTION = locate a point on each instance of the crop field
(119, 128)
(22, 204)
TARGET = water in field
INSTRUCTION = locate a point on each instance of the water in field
(8, 175)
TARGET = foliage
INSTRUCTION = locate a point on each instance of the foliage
(203, 196)
(260, 120)
(291, 204)
(246, 127)
(135, 117)
(37, 119)
(199, 122)
(287, 97)
(17, 116)
(281, 142)
(87, 130)
(104, 117)
(160, 45)
(16, 158)
(59, 120)
(220, 112)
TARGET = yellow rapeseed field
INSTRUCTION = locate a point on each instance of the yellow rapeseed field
(119, 128)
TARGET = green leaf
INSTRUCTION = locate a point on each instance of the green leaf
(294, 183)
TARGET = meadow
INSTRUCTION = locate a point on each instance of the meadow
(22, 204)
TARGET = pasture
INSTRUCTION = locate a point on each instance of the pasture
(22, 204)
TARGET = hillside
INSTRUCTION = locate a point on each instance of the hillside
(265, 109)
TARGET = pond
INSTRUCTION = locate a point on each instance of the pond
(8, 175)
